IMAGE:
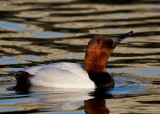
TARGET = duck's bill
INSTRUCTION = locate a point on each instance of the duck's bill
(118, 39)
(126, 35)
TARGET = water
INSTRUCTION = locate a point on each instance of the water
(35, 32)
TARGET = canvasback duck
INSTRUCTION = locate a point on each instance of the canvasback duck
(72, 75)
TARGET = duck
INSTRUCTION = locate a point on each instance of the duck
(68, 75)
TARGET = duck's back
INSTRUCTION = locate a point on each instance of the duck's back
(60, 75)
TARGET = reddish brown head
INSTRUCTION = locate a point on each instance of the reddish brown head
(98, 51)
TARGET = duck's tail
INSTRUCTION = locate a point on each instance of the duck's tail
(20, 74)
(23, 81)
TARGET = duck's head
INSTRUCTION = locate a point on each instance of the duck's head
(99, 49)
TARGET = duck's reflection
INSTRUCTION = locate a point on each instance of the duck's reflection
(95, 106)
(94, 101)
(66, 100)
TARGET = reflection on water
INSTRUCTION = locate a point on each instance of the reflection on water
(31, 58)
(37, 32)
(9, 60)
(12, 26)
(49, 34)
(146, 71)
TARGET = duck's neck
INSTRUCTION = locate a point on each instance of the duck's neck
(95, 61)
(95, 66)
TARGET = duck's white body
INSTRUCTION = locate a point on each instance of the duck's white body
(60, 75)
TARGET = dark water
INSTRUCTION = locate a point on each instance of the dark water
(34, 32)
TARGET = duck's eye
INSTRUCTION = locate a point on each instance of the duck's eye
(99, 42)
(109, 44)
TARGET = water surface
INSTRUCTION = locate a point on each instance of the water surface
(35, 32)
